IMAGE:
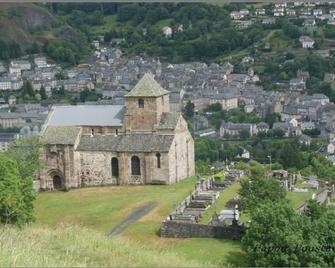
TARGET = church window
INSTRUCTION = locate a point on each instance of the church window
(92, 132)
(115, 167)
(116, 131)
(158, 158)
(140, 103)
(163, 100)
(135, 166)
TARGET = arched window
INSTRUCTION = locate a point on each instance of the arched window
(140, 103)
(135, 166)
(158, 158)
(115, 167)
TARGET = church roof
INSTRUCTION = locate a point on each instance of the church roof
(60, 135)
(147, 87)
(126, 143)
(86, 115)
(169, 121)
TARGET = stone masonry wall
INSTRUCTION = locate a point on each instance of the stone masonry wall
(187, 230)
(181, 157)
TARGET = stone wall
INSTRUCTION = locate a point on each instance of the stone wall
(181, 157)
(322, 197)
(58, 160)
(187, 230)
(146, 118)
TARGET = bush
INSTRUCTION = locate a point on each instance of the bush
(16, 194)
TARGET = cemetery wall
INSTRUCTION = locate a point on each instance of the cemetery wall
(187, 230)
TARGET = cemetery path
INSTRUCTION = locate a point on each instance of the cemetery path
(134, 216)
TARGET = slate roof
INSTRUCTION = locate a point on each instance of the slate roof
(86, 115)
(126, 143)
(147, 87)
(60, 135)
(169, 121)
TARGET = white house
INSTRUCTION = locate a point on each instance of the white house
(244, 12)
(260, 11)
(167, 31)
(5, 83)
(17, 83)
(317, 12)
(22, 64)
(236, 15)
(15, 70)
(290, 12)
(279, 12)
(331, 148)
(306, 41)
(40, 62)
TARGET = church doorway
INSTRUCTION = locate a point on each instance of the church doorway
(115, 168)
(57, 182)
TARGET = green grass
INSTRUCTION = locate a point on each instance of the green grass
(221, 202)
(110, 23)
(298, 199)
(99, 209)
(162, 23)
(66, 246)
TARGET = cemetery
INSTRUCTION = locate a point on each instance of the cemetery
(184, 221)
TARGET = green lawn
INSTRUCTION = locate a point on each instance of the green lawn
(102, 208)
(298, 199)
(221, 202)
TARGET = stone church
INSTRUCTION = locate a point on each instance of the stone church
(139, 143)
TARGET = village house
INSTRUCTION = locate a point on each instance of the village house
(290, 12)
(236, 15)
(139, 143)
(208, 133)
(5, 83)
(21, 64)
(306, 41)
(279, 12)
(260, 11)
(317, 12)
(40, 62)
(167, 31)
(309, 23)
(5, 139)
(229, 129)
(228, 100)
(297, 84)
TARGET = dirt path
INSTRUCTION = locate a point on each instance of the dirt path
(134, 216)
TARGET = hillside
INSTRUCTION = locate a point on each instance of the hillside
(26, 24)
(76, 246)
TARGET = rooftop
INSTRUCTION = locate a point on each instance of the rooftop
(147, 87)
(86, 115)
(126, 143)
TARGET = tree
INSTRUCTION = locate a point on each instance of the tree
(259, 190)
(16, 194)
(27, 89)
(189, 109)
(244, 134)
(278, 236)
(25, 152)
(43, 93)
(312, 132)
(274, 232)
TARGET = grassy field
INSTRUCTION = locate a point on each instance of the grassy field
(71, 227)
(99, 209)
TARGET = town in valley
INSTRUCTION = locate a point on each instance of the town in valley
(167, 134)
